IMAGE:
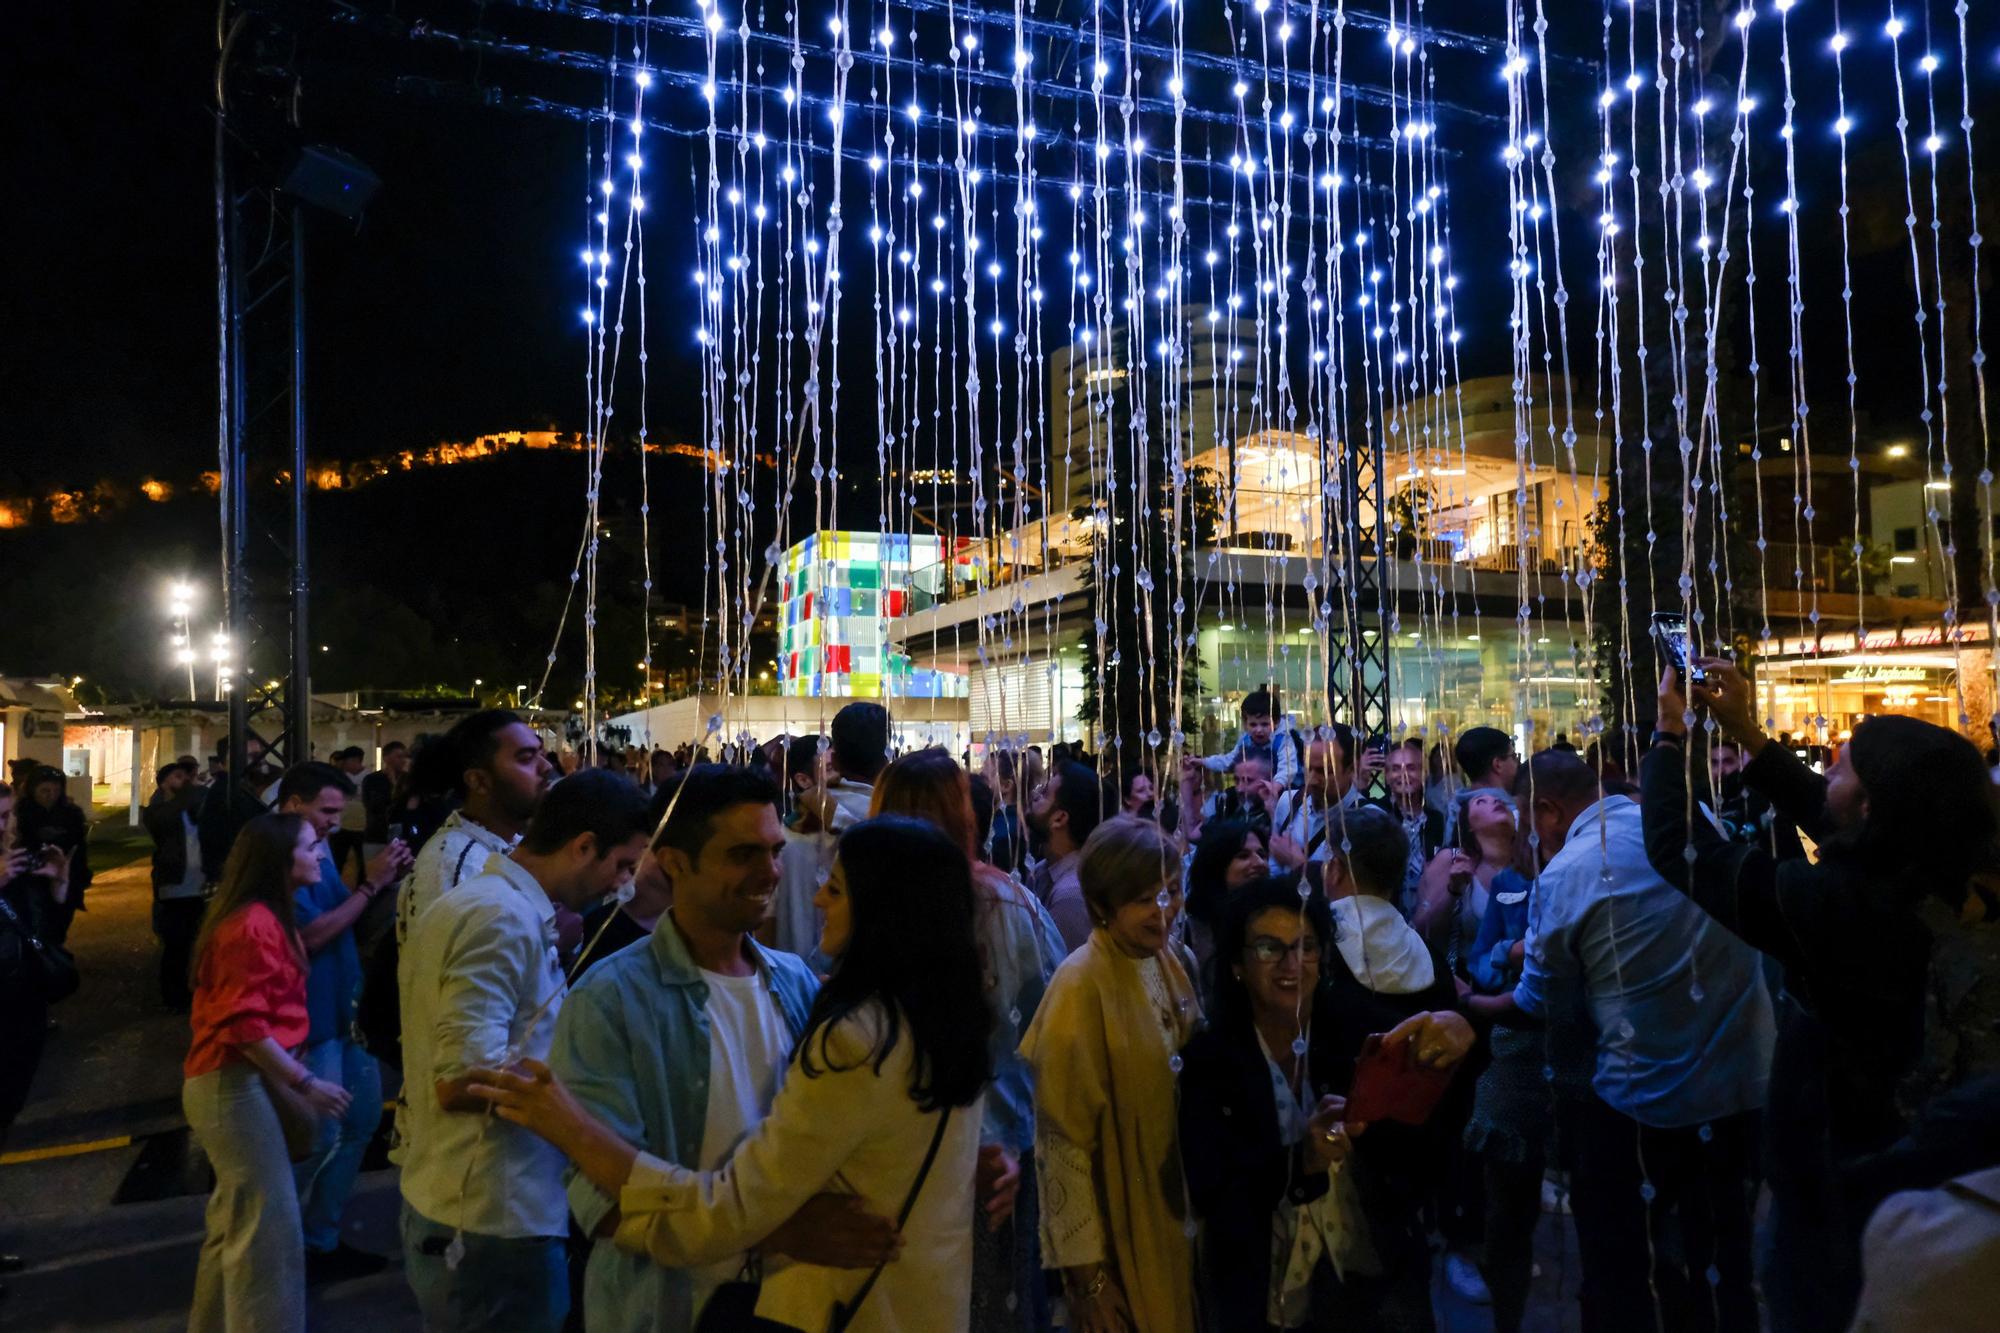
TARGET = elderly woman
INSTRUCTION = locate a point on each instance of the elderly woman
(1286, 1238)
(1105, 1048)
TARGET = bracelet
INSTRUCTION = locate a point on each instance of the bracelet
(1095, 1287)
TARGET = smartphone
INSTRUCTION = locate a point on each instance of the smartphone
(1670, 641)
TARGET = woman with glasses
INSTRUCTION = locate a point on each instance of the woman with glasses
(1287, 1192)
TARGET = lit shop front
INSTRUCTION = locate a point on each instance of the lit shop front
(1913, 670)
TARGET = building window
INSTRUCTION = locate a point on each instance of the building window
(1906, 539)
(1907, 590)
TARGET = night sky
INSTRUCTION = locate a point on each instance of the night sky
(452, 310)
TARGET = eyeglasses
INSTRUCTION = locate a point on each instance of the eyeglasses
(1267, 950)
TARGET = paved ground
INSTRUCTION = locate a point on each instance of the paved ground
(106, 1250)
(111, 1218)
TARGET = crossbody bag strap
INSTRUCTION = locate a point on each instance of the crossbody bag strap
(843, 1314)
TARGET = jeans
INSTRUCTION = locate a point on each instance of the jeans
(1630, 1181)
(251, 1277)
(516, 1283)
(326, 1179)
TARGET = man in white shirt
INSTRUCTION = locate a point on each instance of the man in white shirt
(500, 773)
(485, 1219)
(860, 735)
(794, 924)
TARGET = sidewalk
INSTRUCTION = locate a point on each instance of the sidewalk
(107, 1205)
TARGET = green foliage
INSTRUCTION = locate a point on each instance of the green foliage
(1129, 656)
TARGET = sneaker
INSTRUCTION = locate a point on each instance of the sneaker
(1462, 1276)
(342, 1263)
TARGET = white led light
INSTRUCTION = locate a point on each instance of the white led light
(1744, 15)
(643, 79)
(1928, 64)
(1894, 27)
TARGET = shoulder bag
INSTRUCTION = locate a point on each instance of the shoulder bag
(41, 967)
(733, 1306)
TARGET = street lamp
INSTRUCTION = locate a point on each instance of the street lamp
(180, 602)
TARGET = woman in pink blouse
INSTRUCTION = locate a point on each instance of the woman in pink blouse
(249, 1017)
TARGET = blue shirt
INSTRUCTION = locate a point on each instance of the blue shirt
(632, 1043)
(334, 979)
(1682, 1020)
(1489, 965)
(1022, 949)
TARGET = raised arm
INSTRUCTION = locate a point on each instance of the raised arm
(1736, 883)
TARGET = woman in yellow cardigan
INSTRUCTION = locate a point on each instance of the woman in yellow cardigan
(1105, 1047)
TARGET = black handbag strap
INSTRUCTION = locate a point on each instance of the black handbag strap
(843, 1314)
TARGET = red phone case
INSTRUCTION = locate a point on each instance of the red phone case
(1390, 1085)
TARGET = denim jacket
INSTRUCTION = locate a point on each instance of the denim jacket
(632, 1043)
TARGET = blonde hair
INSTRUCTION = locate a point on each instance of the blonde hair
(1124, 860)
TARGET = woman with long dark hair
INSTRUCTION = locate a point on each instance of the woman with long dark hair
(249, 1017)
(1232, 853)
(1019, 950)
(1521, 1107)
(1901, 822)
(1302, 1225)
(46, 818)
(882, 1101)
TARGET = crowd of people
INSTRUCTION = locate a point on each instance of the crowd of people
(1300, 1036)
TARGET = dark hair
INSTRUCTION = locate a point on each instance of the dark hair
(606, 805)
(929, 785)
(1221, 840)
(701, 793)
(1257, 703)
(1132, 775)
(392, 745)
(1230, 999)
(1931, 817)
(983, 801)
(349, 752)
(861, 739)
(1479, 748)
(1081, 796)
(801, 756)
(259, 870)
(1555, 775)
(1377, 850)
(472, 742)
(1342, 737)
(912, 951)
(305, 781)
(160, 775)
